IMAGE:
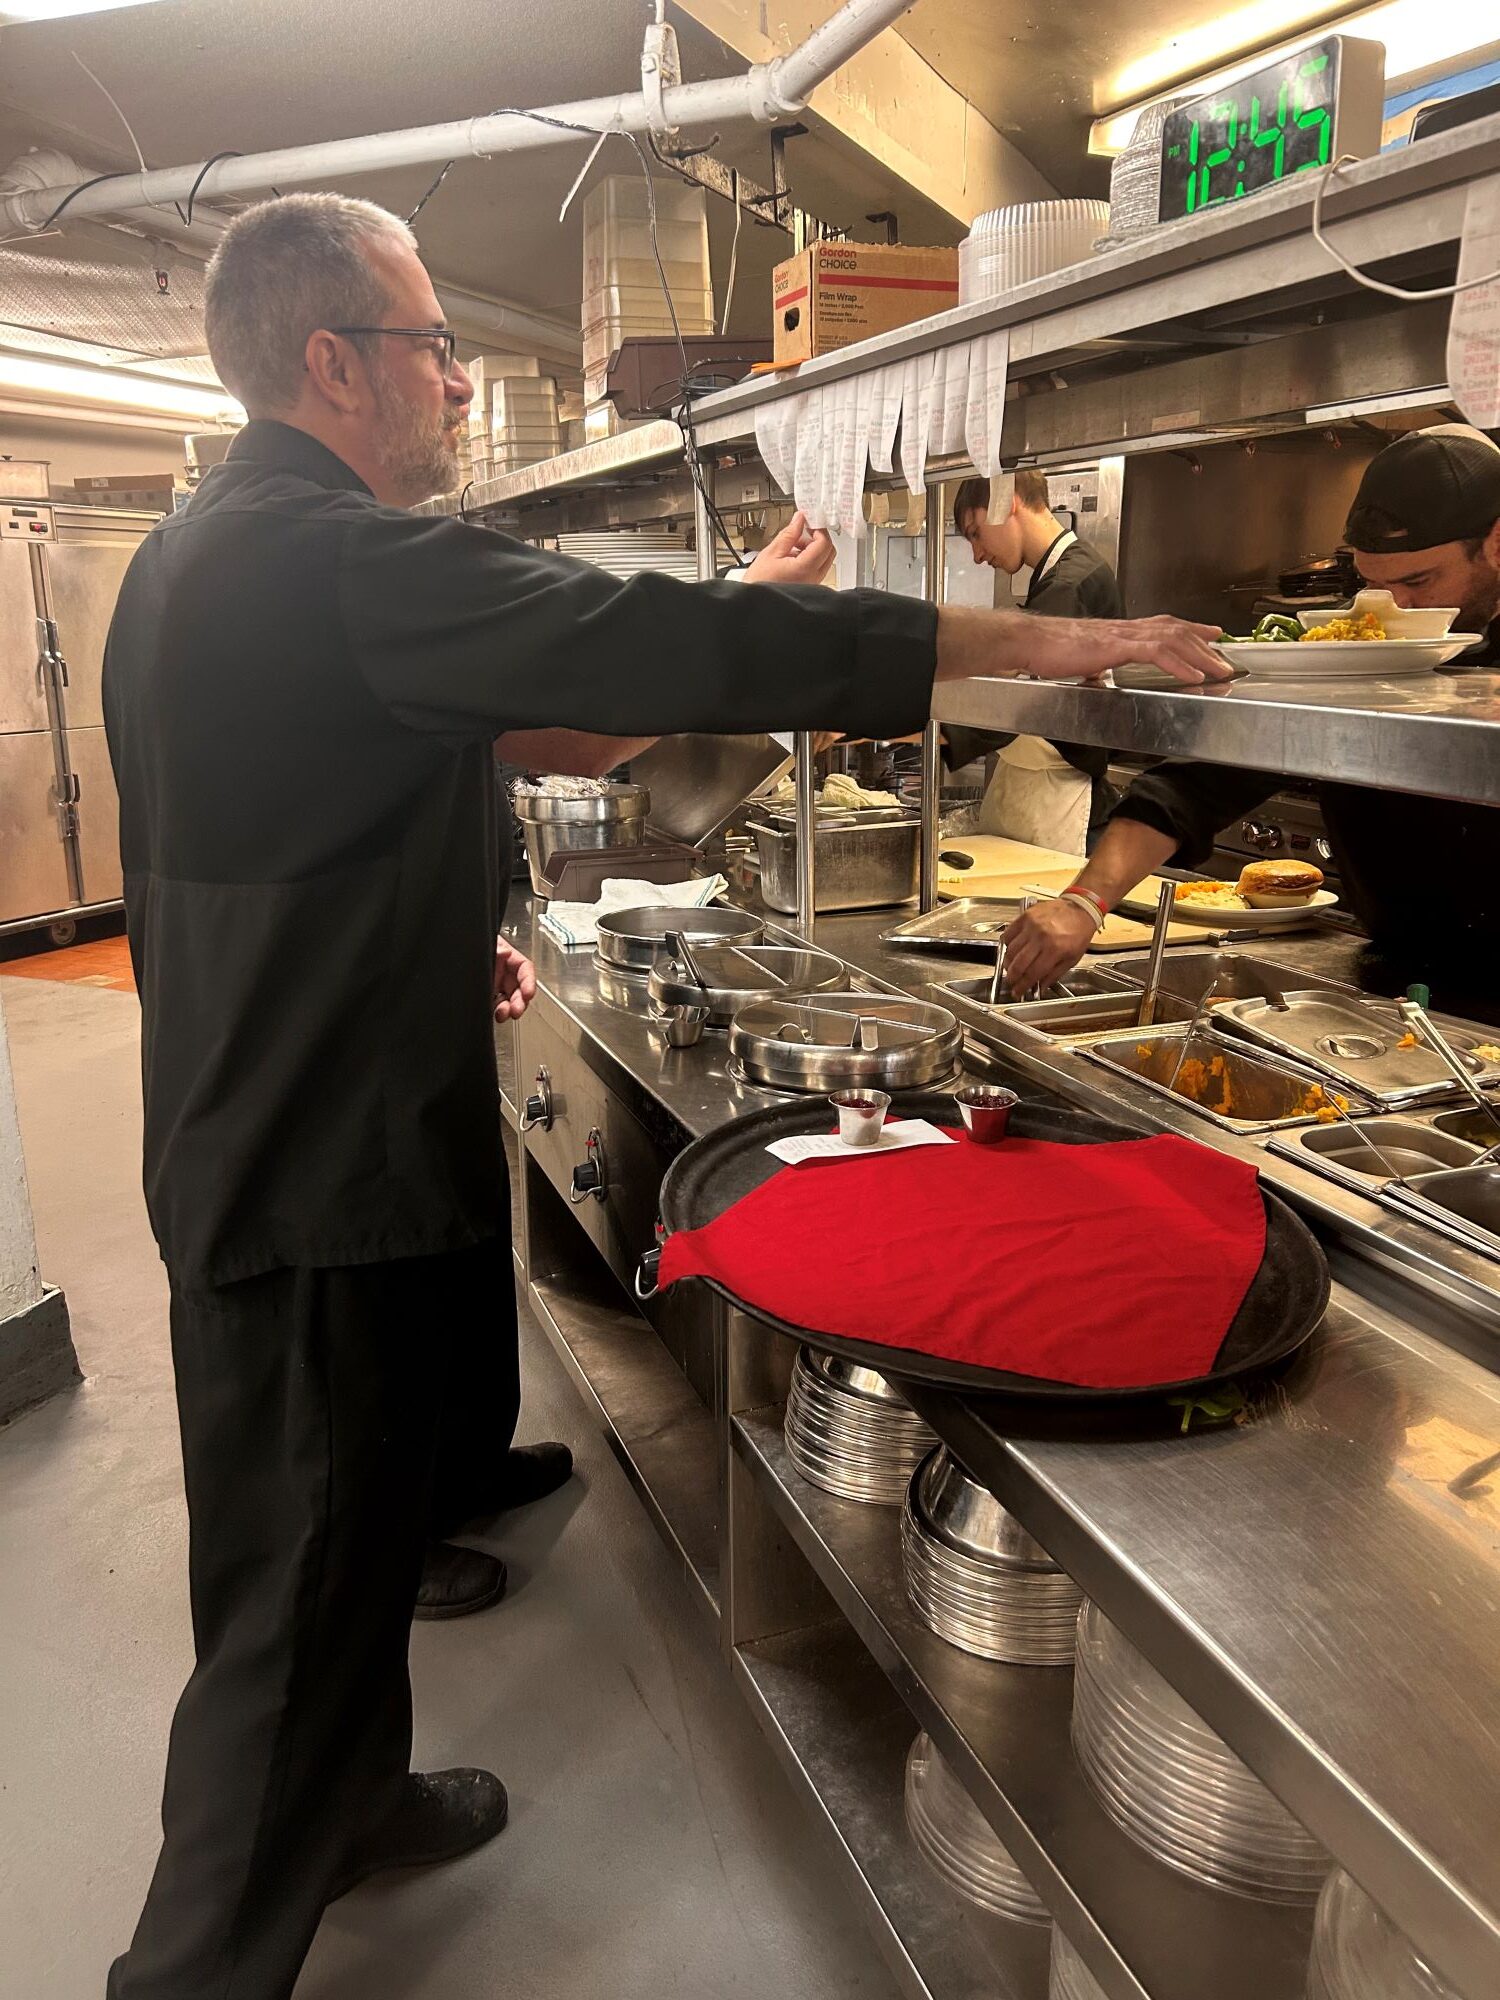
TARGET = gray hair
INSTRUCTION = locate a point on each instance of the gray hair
(283, 269)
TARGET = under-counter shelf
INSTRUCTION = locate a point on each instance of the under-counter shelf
(842, 1736)
(1146, 1932)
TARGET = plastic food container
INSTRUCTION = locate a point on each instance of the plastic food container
(1071, 1978)
(955, 1839)
(1358, 1953)
(1007, 247)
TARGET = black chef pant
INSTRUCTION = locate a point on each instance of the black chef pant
(331, 1420)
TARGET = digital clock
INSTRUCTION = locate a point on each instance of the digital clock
(1301, 112)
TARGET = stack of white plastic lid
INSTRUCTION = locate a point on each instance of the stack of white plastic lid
(1006, 247)
(1071, 1978)
(850, 1432)
(953, 1835)
(1174, 1786)
(1358, 1953)
(622, 286)
(976, 1577)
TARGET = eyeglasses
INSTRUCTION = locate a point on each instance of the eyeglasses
(445, 339)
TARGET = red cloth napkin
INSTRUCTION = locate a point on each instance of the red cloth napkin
(1113, 1266)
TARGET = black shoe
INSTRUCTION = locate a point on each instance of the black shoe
(456, 1581)
(531, 1472)
(442, 1814)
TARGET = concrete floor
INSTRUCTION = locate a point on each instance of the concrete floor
(653, 1847)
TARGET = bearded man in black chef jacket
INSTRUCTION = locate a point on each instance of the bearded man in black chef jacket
(305, 687)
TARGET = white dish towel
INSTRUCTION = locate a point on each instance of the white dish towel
(578, 923)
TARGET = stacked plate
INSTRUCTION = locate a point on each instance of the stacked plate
(850, 1432)
(956, 1839)
(1173, 1785)
(1071, 1978)
(976, 1577)
(1358, 1953)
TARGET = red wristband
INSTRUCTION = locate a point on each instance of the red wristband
(1089, 896)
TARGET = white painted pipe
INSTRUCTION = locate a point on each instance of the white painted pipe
(767, 93)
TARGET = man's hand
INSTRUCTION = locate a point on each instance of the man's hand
(798, 554)
(515, 982)
(1044, 942)
(1009, 643)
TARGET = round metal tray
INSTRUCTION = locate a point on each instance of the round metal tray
(838, 1040)
(1284, 1303)
(629, 940)
(736, 976)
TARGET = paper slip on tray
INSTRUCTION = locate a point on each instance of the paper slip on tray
(1282, 1304)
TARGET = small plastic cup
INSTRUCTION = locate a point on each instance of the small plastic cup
(985, 1109)
(861, 1115)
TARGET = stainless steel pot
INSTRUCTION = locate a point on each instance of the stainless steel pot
(841, 1039)
(615, 817)
(734, 976)
(629, 940)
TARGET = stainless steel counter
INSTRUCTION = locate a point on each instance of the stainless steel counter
(1430, 733)
(1322, 1580)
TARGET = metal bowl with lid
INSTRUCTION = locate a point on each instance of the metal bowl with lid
(955, 1838)
(842, 1039)
(729, 977)
(849, 1431)
(629, 940)
(975, 1576)
(1175, 1787)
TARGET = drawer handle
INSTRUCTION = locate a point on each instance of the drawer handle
(590, 1179)
(647, 1270)
(537, 1110)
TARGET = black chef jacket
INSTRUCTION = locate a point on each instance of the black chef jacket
(1421, 874)
(1080, 584)
(301, 687)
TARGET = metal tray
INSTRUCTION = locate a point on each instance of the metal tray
(629, 940)
(1069, 1020)
(1081, 980)
(736, 975)
(1405, 1148)
(1285, 1301)
(1463, 1202)
(843, 1039)
(1268, 1098)
(963, 925)
(1351, 1041)
(1239, 976)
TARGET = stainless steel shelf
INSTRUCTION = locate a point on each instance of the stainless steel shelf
(655, 1425)
(1146, 1932)
(1320, 1582)
(842, 1736)
(1433, 733)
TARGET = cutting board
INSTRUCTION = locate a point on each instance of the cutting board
(1002, 868)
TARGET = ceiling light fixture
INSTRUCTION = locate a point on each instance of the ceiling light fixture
(98, 387)
(1418, 35)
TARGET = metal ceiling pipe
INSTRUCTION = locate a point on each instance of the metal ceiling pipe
(767, 94)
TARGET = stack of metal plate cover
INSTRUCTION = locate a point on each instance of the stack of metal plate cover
(850, 1432)
(956, 1839)
(1174, 1786)
(839, 1041)
(1358, 1953)
(976, 1577)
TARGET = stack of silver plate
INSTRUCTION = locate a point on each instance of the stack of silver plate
(1358, 1953)
(956, 1839)
(1071, 1978)
(850, 1432)
(1174, 1786)
(976, 1577)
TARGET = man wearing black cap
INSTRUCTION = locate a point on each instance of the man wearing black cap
(1421, 874)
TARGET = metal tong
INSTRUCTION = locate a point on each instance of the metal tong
(1165, 899)
(1416, 1016)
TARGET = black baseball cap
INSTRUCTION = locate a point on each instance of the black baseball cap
(1428, 487)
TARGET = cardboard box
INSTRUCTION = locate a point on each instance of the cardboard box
(114, 482)
(833, 294)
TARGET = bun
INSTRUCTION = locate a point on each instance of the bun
(1280, 885)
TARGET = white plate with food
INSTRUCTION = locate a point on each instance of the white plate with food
(1269, 896)
(1331, 659)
